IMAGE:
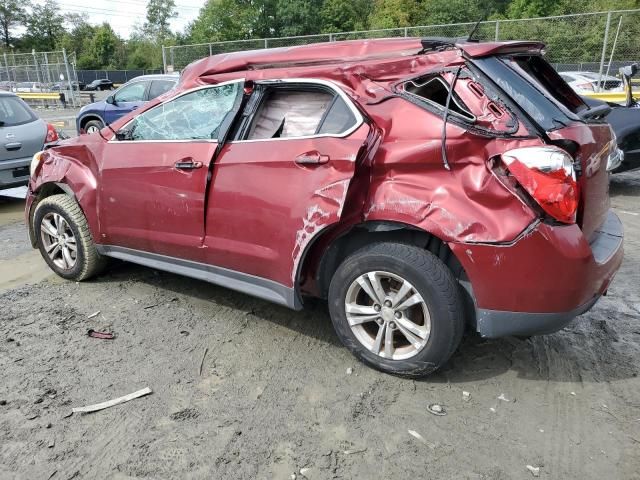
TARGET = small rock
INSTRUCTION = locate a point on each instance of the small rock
(573, 394)
(541, 431)
(32, 416)
(52, 443)
(3, 402)
(349, 371)
(38, 400)
(535, 471)
(466, 396)
(293, 476)
(493, 409)
(48, 425)
(304, 471)
(436, 409)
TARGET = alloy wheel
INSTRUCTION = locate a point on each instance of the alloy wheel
(58, 240)
(387, 315)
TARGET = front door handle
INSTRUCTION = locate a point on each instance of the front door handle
(187, 164)
(311, 158)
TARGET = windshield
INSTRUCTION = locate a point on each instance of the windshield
(13, 111)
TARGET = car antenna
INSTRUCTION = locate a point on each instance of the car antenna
(445, 160)
(473, 32)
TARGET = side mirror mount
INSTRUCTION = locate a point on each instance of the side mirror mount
(111, 100)
(123, 134)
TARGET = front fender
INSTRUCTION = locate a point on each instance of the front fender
(72, 167)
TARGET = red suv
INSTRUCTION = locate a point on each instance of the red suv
(420, 186)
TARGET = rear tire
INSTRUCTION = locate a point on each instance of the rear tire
(64, 240)
(405, 312)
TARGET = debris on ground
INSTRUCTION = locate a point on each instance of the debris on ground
(535, 471)
(492, 409)
(573, 394)
(304, 471)
(101, 335)
(94, 314)
(349, 371)
(52, 443)
(437, 409)
(351, 452)
(111, 403)
(503, 398)
(466, 396)
(202, 361)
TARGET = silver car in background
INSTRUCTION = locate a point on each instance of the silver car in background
(587, 82)
(22, 135)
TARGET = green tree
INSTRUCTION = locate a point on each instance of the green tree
(299, 17)
(221, 20)
(159, 13)
(345, 15)
(394, 13)
(12, 14)
(44, 26)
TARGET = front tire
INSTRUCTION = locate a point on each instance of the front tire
(64, 240)
(93, 126)
(397, 308)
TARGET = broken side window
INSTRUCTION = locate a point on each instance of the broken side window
(194, 116)
(292, 112)
(471, 101)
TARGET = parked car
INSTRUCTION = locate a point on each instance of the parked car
(28, 87)
(22, 134)
(100, 84)
(130, 96)
(421, 187)
(7, 86)
(625, 122)
(76, 85)
(587, 82)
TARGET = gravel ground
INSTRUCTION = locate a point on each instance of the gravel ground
(278, 395)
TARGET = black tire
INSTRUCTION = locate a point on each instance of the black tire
(430, 278)
(88, 261)
(93, 123)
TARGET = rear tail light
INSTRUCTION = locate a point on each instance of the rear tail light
(547, 174)
(52, 134)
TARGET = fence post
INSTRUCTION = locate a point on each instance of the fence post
(497, 37)
(35, 63)
(66, 66)
(164, 60)
(266, 44)
(210, 50)
(604, 48)
(406, 32)
(6, 62)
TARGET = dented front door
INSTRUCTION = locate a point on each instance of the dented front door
(269, 198)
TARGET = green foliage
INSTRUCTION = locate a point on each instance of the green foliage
(44, 26)
(159, 12)
(12, 14)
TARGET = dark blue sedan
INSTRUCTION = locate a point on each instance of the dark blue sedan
(93, 117)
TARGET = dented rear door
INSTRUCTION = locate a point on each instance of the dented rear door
(270, 197)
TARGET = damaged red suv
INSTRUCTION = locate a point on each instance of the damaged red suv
(420, 186)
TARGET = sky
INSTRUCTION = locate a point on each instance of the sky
(123, 15)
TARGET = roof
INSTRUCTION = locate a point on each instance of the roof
(340, 53)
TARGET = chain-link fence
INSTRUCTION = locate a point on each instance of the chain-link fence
(599, 42)
(40, 73)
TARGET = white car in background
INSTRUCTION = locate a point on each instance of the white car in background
(587, 82)
(28, 87)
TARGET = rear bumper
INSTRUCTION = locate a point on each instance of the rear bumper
(543, 280)
(13, 173)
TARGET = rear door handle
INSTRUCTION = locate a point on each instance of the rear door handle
(187, 164)
(13, 146)
(311, 158)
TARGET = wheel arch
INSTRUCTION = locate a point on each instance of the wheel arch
(87, 117)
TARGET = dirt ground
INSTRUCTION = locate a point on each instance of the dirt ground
(275, 395)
